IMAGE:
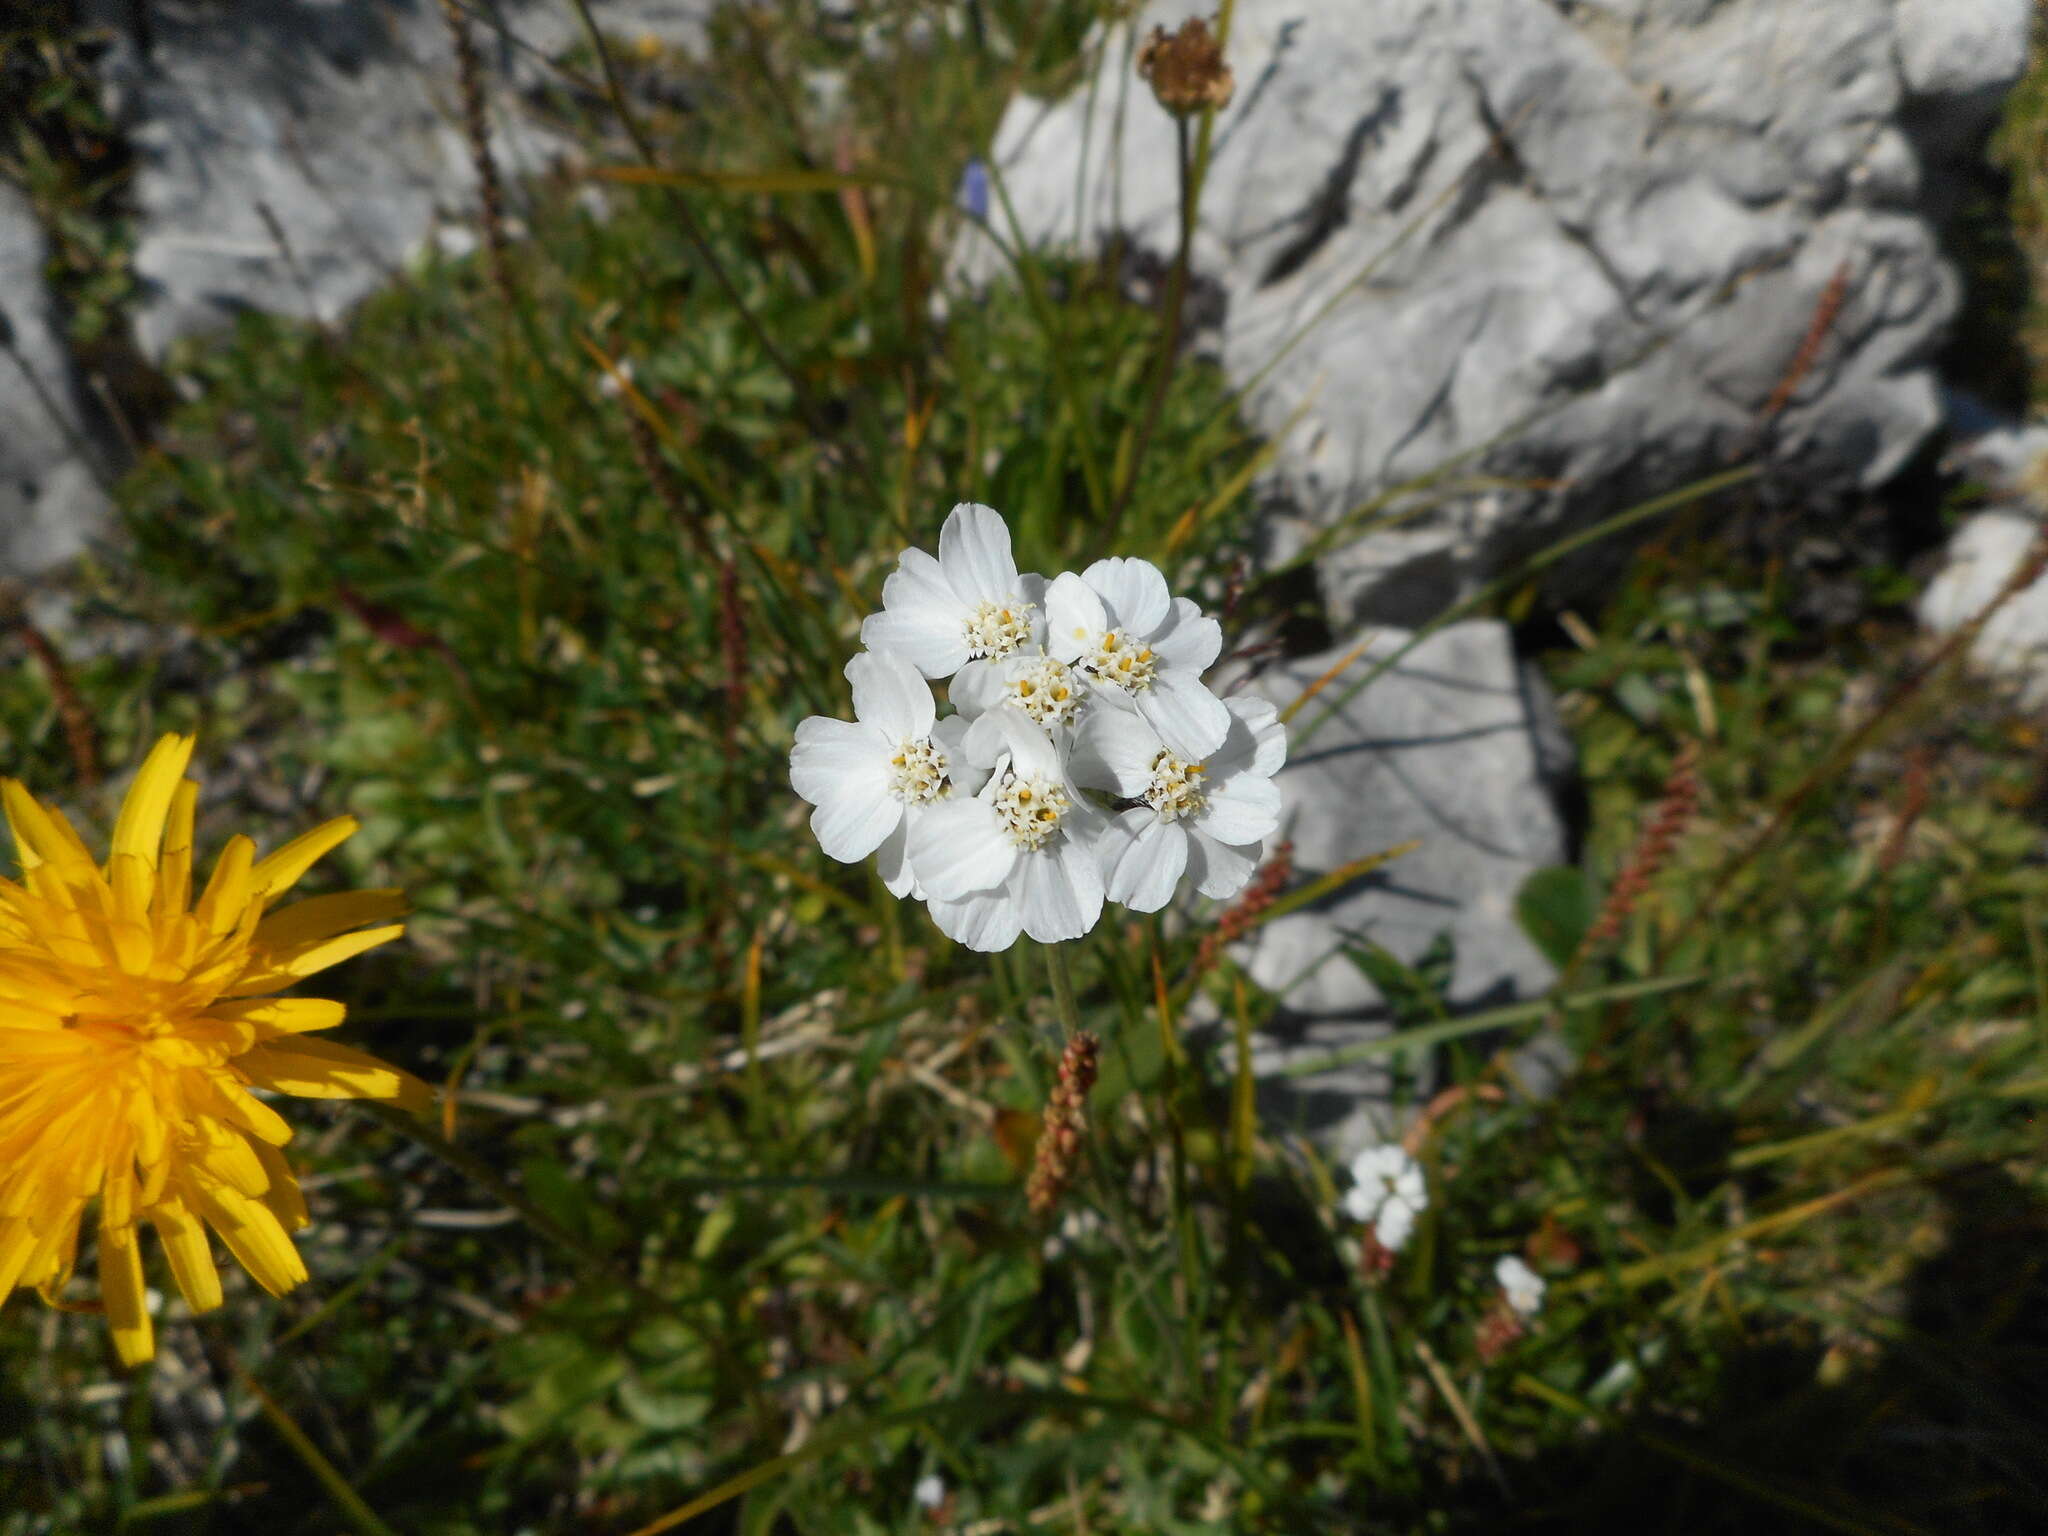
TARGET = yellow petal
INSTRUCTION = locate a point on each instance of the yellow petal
(40, 835)
(255, 1117)
(313, 1068)
(139, 832)
(255, 1237)
(282, 968)
(174, 873)
(273, 1015)
(184, 1240)
(281, 870)
(284, 1198)
(121, 1291)
(227, 894)
(17, 1242)
(321, 917)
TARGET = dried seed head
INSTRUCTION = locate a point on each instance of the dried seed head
(1185, 68)
(1059, 1143)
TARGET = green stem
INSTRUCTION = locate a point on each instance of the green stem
(1063, 1003)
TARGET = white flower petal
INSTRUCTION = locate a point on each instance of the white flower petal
(986, 921)
(1361, 1204)
(1114, 749)
(890, 692)
(933, 639)
(892, 859)
(1257, 742)
(1134, 591)
(854, 817)
(974, 552)
(980, 685)
(831, 752)
(1242, 809)
(1148, 860)
(1218, 870)
(1396, 1221)
(1187, 716)
(1008, 730)
(1188, 642)
(1074, 616)
(958, 846)
(1059, 890)
(950, 737)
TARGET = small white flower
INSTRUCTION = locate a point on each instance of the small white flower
(1205, 818)
(968, 605)
(1524, 1287)
(1020, 855)
(930, 1491)
(873, 778)
(1141, 648)
(1044, 687)
(1388, 1192)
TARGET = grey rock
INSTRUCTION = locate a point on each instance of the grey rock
(294, 155)
(1982, 556)
(1525, 264)
(52, 503)
(1454, 747)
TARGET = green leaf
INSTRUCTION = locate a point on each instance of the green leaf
(1555, 907)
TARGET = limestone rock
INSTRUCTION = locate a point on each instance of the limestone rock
(1454, 747)
(1550, 257)
(1982, 555)
(51, 502)
(293, 155)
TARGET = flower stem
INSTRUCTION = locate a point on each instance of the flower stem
(1056, 966)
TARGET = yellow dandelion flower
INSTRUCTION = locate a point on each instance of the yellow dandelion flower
(133, 1023)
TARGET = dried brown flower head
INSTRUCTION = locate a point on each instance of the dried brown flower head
(1186, 68)
(1066, 1110)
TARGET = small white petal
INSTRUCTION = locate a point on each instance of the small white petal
(950, 737)
(957, 847)
(1218, 870)
(1074, 616)
(986, 921)
(974, 552)
(979, 685)
(1148, 860)
(889, 691)
(1187, 716)
(829, 752)
(1133, 590)
(1361, 1204)
(1396, 1222)
(1008, 731)
(1114, 749)
(1188, 642)
(892, 859)
(934, 639)
(1242, 809)
(854, 817)
(1060, 891)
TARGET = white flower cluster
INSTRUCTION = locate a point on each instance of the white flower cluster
(1085, 760)
(1522, 1286)
(1387, 1193)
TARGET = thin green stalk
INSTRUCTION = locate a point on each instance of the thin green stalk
(1062, 976)
(339, 1489)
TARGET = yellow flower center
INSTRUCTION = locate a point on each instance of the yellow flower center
(1049, 693)
(917, 773)
(1121, 661)
(996, 629)
(1176, 788)
(1031, 810)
